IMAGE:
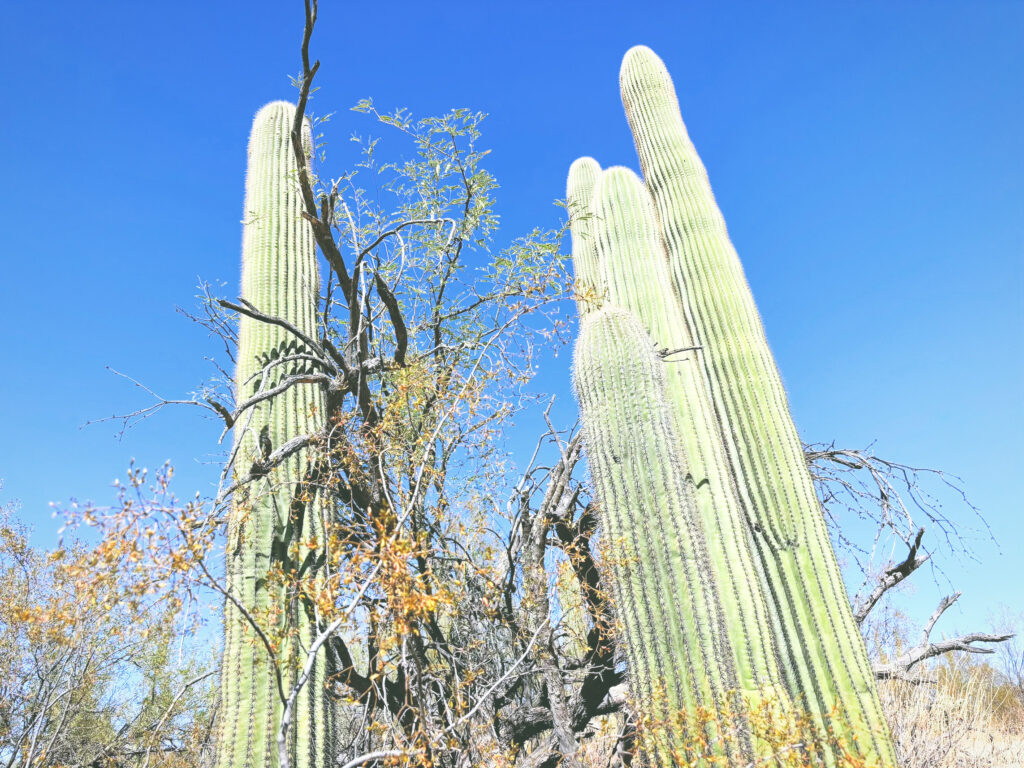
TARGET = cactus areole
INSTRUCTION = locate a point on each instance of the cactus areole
(658, 250)
(272, 515)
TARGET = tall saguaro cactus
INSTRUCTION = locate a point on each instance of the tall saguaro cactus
(662, 251)
(276, 518)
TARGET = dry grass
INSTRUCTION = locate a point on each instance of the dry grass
(967, 718)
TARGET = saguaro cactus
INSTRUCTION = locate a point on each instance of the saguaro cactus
(825, 655)
(678, 650)
(275, 518)
(663, 252)
(618, 255)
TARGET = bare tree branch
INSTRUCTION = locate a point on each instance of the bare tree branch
(890, 578)
(899, 668)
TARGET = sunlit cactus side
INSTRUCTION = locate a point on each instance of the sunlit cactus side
(677, 647)
(275, 517)
(583, 176)
(823, 653)
(621, 254)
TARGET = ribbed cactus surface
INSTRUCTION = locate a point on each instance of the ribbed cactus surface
(579, 191)
(821, 650)
(676, 641)
(276, 517)
(623, 257)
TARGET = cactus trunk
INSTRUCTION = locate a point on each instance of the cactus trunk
(277, 518)
(678, 654)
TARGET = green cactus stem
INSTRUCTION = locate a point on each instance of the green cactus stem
(624, 259)
(667, 601)
(822, 651)
(273, 518)
(583, 176)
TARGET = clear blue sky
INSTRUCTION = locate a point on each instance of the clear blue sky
(867, 156)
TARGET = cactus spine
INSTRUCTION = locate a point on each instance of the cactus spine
(273, 518)
(677, 647)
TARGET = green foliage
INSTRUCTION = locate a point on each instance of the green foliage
(89, 680)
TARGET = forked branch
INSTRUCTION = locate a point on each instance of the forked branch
(899, 667)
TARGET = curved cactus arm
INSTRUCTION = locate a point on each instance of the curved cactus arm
(633, 270)
(273, 516)
(826, 661)
(678, 650)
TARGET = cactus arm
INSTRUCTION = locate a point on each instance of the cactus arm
(677, 648)
(268, 520)
(583, 176)
(827, 660)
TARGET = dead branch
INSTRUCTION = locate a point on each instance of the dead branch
(891, 577)
(899, 668)
(261, 467)
(887, 492)
(249, 310)
(129, 420)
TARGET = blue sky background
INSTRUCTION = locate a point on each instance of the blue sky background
(867, 156)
